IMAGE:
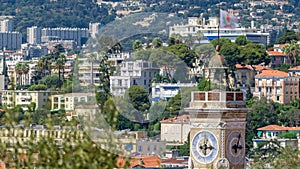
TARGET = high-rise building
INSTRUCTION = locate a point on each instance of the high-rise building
(94, 29)
(78, 35)
(6, 25)
(10, 40)
(34, 35)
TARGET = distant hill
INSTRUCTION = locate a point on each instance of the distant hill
(55, 13)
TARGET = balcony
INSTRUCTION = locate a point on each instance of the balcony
(25, 97)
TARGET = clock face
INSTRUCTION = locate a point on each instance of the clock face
(235, 147)
(205, 147)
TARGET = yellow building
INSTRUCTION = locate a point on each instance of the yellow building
(68, 101)
(11, 98)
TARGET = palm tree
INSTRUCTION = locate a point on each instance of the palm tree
(292, 50)
(157, 42)
(137, 45)
(25, 69)
(18, 70)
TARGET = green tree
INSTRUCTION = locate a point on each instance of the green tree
(203, 85)
(264, 112)
(157, 42)
(242, 41)
(292, 50)
(137, 45)
(138, 97)
(253, 54)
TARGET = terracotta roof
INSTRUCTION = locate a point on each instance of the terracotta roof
(277, 128)
(271, 72)
(295, 68)
(260, 67)
(174, 161)
(144, 161)
(184, 118)
(147, 161)
(243, 66)
(275, 53)
(272, 127)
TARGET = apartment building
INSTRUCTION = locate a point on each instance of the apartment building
(132, 73)
(277, 86)
(165, 91)
(175, 130)
(78, 35)
(88, 72)
(10, 40)
(94, 29)
(34, 35)
(11, 98)
(69, 101)
(33, 50)
(294, 71)
(6, 25)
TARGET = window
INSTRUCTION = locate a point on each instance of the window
(139, 148)
(259, 82)
(259, 89)
(277, 98)
(145, 82)
(145, 74)
(244, 75)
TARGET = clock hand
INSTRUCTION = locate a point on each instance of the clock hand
(237, 146)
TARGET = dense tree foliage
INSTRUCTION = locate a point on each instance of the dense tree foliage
(71, 13)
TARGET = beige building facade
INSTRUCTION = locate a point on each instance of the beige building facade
(277, 86)
(69, 101)
(11, 98)
(175, 130)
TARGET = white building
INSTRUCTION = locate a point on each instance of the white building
(34, 35)
(175, 130)
(94, 29)
(165, 91)
(11, 98)
(133, 73)
(209, 29)
(88, 72)
(6, 25)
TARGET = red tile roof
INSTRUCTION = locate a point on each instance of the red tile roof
(259, 67)
(277, 128)
(243, 66)
(174, 161)
(272, 127)
(275, 53)
(183, 118)
(144, 161)
(295, 68)
(271, 72)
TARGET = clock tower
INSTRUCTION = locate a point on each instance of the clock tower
(218, 119)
